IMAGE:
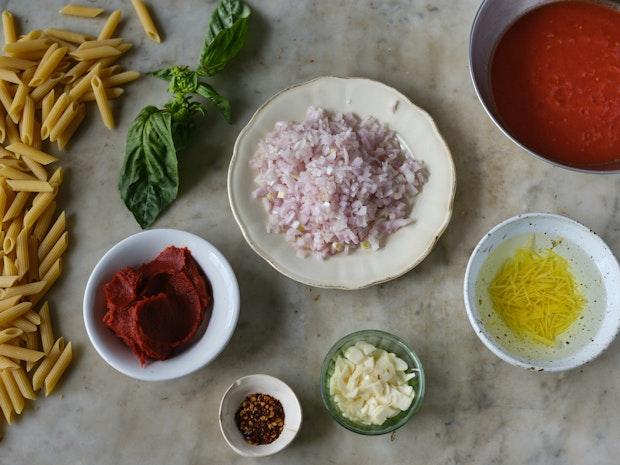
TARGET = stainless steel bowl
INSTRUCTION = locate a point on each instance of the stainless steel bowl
(492, 19)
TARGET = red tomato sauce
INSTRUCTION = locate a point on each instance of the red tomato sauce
(555, 77)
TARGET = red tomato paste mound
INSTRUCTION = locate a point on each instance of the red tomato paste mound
(157, 308)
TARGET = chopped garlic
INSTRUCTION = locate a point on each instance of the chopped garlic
(370, 385)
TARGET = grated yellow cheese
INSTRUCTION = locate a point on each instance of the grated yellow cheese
(536, 295)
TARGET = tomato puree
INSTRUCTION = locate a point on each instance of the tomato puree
(555, 76)
(158, 307)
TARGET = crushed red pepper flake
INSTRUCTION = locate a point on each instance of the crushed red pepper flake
(260, 419)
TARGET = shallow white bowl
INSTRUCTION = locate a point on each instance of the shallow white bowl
(144, 247)
(595, 269)
(419, 135)
(259, 384)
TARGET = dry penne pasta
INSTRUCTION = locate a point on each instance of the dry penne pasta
(22, 289)
(12, 134)
(24, 325)
(109, 28)
(8, 26)
(19, 100)
(30, 185)
(8, 303)
(47, 333)
(20, 353)
(26, 125)
(16, 63)
(54, 114)
(102, 102)
(8, 281)
(32, 344)
(16, 208)
(35, 167)
(63, 122)
(47, 104)
(6, 316)
(81, 10)
(13, 391)
(111, 93)
(69, 36)
(50, 278)
(24, 46)
(121, 78)
(52, 236)
(2, 125)
(33, 317)
(100, 43)
(58, 369)
(5, 403)
(46, 365)
(5, 96)
(9, 172)
(43, 220)
(9, 268)
(76, 71)
(23, 383)
(33, 267)
(83, 85)
(54, 254)
(6, 362)
(65, 137)
(95, 53)
(47, 66)
(22, 248)
(106, 62)
(32, 153)
(146, 20)
(10, 333)
(44, 89)
(9, 76)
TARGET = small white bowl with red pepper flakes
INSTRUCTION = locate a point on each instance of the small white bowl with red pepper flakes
(259, 387)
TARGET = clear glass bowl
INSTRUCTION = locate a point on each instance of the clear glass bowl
(390, 343)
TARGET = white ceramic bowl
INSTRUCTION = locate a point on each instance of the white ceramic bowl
(405, 248)
(259, 384)
(592, 263)
(144, 247)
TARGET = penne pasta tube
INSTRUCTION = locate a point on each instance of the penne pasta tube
(10, 172)
(63, 122)
(44, 89)
(81, 10)
(8, 26)
(47, 334)
(35, 55)
(35, 167)
(146, 20)
(109, 71)
(16, 63)
(12, 134)
(33, 267)
(19, 100)
(26, 125)
(121, 78)
(50, 278)
(10, 302)
(33, 317)
(83, 84)
(76, 71)
(22, 248)
(13, 391)
(32, 344)
(8, 334)
(43, 219)
(109, 28)
(47, 104)
(9, 267)
(102, 102)
(14, 312)
(31, 45)
(32, 153)
(47, 66)
(66, 136)
(46, 365)
(5, 96)
(23, 383)
(15, 210)
(5, 402)
(69, 36)
(52, 378)
(2, 125)
(100, 43)
(9, 76)
(111, 93)
(3, 201)
(106, 62)
(24, 325)
(8, 281)
(6, 362)
(55, 113)
(89, 54)
(20, 353)
(22, 289)
(29, 185)
(59, 248)
(51, 237)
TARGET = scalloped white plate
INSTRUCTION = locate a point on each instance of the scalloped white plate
(404, 249)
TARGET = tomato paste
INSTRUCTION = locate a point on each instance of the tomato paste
(556, 82)
(158, 307)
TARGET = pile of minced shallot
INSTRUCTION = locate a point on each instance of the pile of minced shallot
(335, 182)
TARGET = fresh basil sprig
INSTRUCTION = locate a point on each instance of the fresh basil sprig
(149, 180)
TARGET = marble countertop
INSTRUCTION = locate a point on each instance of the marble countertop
(477, 410)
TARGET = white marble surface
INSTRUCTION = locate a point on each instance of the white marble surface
(478, 410)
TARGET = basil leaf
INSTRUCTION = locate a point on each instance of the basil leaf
(216, 99)
(226, 35)
(149, 178)
(164, 73)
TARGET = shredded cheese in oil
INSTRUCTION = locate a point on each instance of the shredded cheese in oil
(536, 295)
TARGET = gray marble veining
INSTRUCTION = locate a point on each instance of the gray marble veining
(478, 410)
